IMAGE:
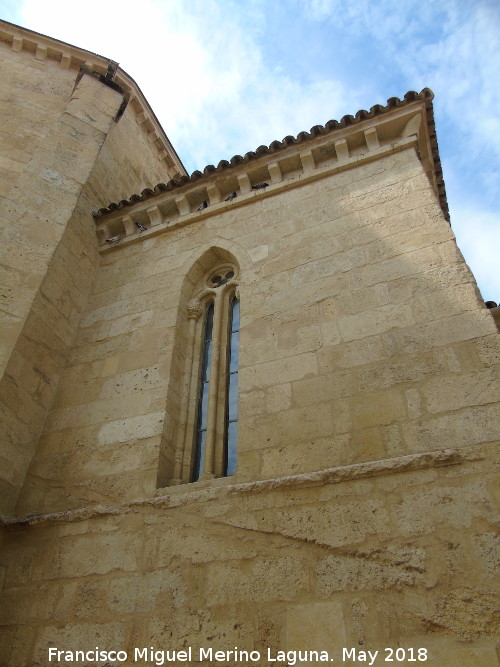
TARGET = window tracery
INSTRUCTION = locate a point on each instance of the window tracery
(204, 442)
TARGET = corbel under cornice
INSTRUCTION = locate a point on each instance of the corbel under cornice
(302, 161)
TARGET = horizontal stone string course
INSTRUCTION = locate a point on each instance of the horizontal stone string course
(175, 496)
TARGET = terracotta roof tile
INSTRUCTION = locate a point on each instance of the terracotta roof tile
(317, 130)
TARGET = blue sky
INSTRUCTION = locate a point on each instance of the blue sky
(226, 76)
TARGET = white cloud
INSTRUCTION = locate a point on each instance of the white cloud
(451, 47)
(477, 235)
(205, 68)
(454, 48)
(202, 69)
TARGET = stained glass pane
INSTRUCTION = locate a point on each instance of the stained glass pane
(201, 424)
(232, 390)
(207, 358)
(200, 455)
(233, 353)
(203, 406)
(235, 322)
(232, 429)
(232, 398)
(209, 321)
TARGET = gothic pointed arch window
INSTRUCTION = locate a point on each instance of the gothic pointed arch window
(202, 443)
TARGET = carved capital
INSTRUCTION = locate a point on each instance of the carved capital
(194, 309)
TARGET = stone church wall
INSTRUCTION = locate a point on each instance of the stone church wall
(358, 316)
(361, 514)
(64, 154)
(392, 554)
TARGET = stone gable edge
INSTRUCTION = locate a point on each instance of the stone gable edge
(68, 56)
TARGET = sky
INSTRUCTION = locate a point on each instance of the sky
(226, 76)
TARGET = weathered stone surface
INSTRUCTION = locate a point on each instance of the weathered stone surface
(364, 352)
(215, 565)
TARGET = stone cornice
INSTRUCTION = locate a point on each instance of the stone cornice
(280, 168)
(336, 143)
(218, 489)
(67, 56)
